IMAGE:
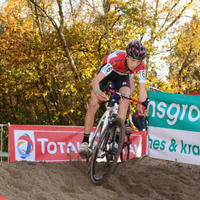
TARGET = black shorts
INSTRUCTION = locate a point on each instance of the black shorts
(118, 80)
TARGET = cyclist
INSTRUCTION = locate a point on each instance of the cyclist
(119, 68)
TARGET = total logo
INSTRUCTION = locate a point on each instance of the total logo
(25, 146)
(52, 147)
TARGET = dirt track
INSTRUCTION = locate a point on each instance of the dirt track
(136, 179)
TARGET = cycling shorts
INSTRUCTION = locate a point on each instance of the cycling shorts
(118, 79)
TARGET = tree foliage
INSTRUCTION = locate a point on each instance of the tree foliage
(50, 50)
(184, 58)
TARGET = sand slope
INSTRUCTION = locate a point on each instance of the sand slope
(136, 179)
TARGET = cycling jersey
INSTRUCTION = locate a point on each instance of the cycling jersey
(116, 62)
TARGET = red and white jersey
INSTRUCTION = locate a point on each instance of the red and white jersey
(116, 62)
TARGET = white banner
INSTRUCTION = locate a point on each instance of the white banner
(175, 145)
(174, 127)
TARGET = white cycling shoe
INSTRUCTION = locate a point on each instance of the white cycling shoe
(83, 150)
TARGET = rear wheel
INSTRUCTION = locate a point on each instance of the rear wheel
(126, 148)
(107, 151)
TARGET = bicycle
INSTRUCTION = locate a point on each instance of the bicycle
(107, 141)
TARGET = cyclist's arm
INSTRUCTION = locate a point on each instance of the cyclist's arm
(105, 71)
(96, 80)
(95, 85)
(142, 91)
(142, 88)
(142, 97)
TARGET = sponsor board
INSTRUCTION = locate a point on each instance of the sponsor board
(44, 143)
(57, 143)
(174, 127)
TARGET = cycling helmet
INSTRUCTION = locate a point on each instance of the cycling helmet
(136, 50)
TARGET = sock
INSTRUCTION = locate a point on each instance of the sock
(86, 138)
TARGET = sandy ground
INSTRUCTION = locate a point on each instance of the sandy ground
(136, 179)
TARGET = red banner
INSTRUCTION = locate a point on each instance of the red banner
(57, 143)
(197, 93)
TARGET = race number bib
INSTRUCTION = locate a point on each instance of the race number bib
(107, 69)
(142, 76)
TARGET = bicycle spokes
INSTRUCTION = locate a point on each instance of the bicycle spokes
(107, 151)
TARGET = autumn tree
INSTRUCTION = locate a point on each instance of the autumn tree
(184, 59)
(50, 51)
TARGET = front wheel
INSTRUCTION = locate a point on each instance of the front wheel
(97, 133)
(107, 151)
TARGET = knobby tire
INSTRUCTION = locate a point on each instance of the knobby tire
(126, 149)
(102, 144)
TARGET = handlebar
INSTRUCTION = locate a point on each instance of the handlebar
(144, 103)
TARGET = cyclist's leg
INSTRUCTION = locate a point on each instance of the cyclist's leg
(124, 104)
(89, 120)
(93, 106)
(91, 111)
(123, 85)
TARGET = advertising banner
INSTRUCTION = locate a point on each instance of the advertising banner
(57, 143)
(138, 146)
(44, 143)
(174, 127)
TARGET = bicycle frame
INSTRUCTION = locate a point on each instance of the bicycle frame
(112, 108)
